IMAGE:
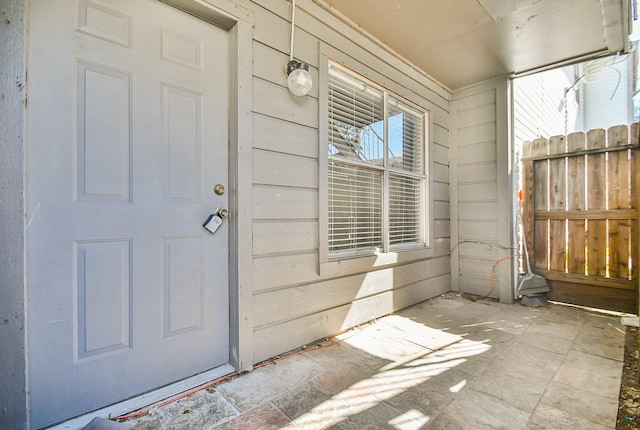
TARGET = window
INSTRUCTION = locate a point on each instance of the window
(377, 182)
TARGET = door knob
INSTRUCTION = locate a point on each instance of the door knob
(218, 189)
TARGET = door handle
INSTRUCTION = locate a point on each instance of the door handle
(218, 189)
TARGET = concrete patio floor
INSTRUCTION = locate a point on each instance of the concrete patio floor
(447, 363)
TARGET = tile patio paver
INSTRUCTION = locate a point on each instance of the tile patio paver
(447, 363)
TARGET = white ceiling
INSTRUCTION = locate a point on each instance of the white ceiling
(462, 42)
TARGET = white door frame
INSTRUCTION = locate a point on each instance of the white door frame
(238, 21)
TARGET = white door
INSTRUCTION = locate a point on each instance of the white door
(127, 137)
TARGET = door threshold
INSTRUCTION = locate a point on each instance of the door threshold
(146, 399)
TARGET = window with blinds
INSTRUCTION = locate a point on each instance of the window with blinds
(376, 170)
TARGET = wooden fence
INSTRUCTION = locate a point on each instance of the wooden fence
(580, 214)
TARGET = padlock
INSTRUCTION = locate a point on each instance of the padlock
(213, 223)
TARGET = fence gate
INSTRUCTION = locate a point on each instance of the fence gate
(580, 215)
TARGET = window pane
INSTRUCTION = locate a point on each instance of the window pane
(355, 208)
(356, 119)
(406, 137)
(405, 210)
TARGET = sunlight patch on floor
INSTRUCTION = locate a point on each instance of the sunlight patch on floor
(410, 364)
(409, 419)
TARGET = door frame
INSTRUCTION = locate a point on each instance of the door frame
(238, 22)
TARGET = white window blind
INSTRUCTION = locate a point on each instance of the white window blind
(355, 208)
(376, 169)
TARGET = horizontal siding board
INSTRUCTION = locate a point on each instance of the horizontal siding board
(478, 230)
(268, 270)
(479, 286)
(476, 134)
(270, 28)
(274, 339)
(272, 202)
(479, 172)
(441, 210)
(485, 250)
(479, 153)
(478, 211)
(442, 228)
(440, 135)
(477, 192)
(480, 115)
(282, 136)
(440, 154)
(440, 172)
(277, 168)
(276, 101)
(441, 191)
(461, 95)
(271, 237)
(476, 267)
(476, 100)
(442, 246)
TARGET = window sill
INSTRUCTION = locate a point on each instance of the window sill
(375, 261)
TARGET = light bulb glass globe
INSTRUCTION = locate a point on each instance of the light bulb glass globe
(299, 82)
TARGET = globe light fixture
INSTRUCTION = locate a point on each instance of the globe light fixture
(299, 80)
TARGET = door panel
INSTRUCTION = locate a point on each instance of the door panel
(127, 135)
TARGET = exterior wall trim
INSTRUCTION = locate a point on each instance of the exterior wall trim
(13, 390)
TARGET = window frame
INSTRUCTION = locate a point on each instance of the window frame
(353, 261)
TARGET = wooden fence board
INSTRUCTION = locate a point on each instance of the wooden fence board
(557, 184)
(575, 183)
(596, 139)
(596, 181)
(557, 145)
(541, 186)
(557, 202)
(618, 136)
(596, 247)
(541, 233)
(539, 147)
(618, 180)
(576, 142)
(557, 245)
(527, 207)
(576, 254)
(619, 249)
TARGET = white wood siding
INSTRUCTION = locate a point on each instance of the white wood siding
(606, 94)
(293, 304)
(539, 105)
(481, 191)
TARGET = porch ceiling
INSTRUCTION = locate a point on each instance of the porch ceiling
(462, 42)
